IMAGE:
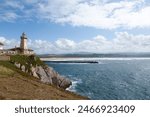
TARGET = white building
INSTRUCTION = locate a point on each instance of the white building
(1, 46)
(17, 50)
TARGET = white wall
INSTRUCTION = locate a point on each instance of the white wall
(1, 47)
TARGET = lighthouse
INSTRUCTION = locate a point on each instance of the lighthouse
(23, 43)
(23, 49)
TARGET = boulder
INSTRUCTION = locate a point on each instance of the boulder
(17, 65)
(47, 75)
(57, 80)
(65, 83)
(49, 71)
(33, 72)
(43, 75)
(23, 68)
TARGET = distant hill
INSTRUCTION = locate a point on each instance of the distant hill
(102, 55)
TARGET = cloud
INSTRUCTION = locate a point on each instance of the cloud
(9, 43)
(131, 43)
(13, 4)
(102, 14)
(123, 42)
(9, 17)
(41, 46)
(65, 44)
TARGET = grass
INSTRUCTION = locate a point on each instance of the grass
(27, 61)
(15, 84)
(5, 71)
(9, 65)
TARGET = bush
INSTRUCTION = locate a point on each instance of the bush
(27, 61)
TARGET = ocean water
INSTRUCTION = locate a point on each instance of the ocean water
(108, 80)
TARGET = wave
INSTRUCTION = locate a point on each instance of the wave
(140, 58)
(83, 60)
(74, 85)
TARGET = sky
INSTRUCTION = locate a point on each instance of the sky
(72, 26)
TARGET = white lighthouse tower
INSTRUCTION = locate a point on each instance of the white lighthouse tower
(23, 43)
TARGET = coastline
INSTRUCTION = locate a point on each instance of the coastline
(87, 59)
(110, 79)
(17, 83)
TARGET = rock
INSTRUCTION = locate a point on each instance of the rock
(33, 72)
(47, 75)
(49, 71)
(43, 75)
(27, 71)
(23, 68)
(55, 81)
(17, 65)
(63, 82)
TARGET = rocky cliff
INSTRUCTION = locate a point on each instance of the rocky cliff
(35, 67)
(18, 85)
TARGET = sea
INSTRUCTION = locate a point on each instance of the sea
(109, 79)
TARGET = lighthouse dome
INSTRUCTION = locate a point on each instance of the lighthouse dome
(23, 36)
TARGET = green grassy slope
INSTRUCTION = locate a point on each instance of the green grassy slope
(15, 84)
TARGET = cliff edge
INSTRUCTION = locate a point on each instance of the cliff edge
(26, 77)
(35, 67)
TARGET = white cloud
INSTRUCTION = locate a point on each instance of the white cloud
(9, 43)
(97, 13)
(103, 14)
(123, 42)
(65, 44)
(8, 16)
(13, 4)
(41, 46)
